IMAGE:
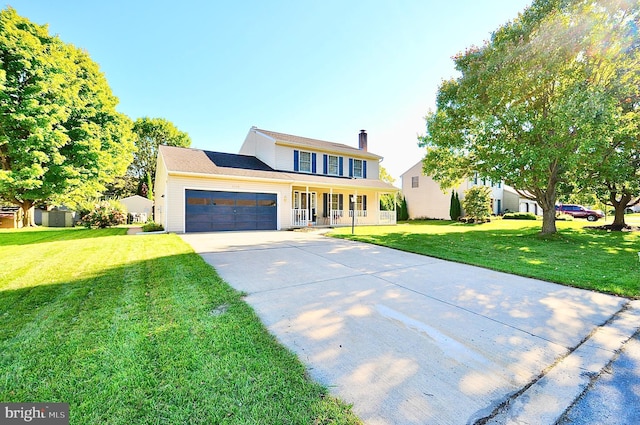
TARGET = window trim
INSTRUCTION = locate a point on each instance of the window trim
(361, 174)
(301, 162)
(330, 171)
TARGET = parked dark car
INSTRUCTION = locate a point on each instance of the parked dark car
(578, 211)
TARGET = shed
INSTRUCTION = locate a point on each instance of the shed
(10, 218)
(58, 218)
(138, 206)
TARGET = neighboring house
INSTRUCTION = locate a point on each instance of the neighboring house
(277, 181)
(139, 207)
(425, 199)
(515, 203)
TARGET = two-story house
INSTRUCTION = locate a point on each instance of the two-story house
(425, 199)
(276, 181)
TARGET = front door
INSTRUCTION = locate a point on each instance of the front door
(306, 201)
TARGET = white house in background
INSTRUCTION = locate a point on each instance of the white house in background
(277, 181)
(425, 199)
(139, 206)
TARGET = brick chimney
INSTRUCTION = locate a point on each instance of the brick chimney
(362, 140)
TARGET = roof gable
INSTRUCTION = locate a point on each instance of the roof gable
(309, 143)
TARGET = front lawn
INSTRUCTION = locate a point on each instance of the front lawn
(140, 330)
(577, 256)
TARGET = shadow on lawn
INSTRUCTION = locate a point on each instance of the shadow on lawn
(135, 342)
(42, 234)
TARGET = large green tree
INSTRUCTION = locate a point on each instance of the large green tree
(150, 133)
(531, 105)
(60, 135)
(613, 171)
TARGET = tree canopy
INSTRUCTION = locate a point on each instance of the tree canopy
(150, 133)
(60, 135)
(534, 104)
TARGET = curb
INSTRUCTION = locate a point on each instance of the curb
(548, 398)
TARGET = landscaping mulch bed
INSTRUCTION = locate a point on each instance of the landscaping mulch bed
(612, 228)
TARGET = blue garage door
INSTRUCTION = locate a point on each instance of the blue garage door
(211, 211)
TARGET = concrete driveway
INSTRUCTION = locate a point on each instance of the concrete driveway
(410, 339)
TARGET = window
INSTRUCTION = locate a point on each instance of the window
(360, 206)
(332, 203)
(415, 181)
(305, 162)
(357, 168)
(332, 165)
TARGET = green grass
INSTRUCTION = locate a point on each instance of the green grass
(576, 256)
(140, 330)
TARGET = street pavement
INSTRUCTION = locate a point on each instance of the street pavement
(410, 339)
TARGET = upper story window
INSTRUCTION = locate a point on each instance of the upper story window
(357, 168)
(305, 162)
(415, 181)
(332, 165)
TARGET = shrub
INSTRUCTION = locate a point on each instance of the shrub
(477, 204)
(105, 214)
(402, 213)
(455, 209)
(520, 216)
(152, 227)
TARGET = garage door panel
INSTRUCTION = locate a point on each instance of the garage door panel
(207, 211)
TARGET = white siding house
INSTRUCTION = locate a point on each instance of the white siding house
(277, 181)
(425, 199)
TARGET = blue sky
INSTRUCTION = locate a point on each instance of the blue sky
(319, 69)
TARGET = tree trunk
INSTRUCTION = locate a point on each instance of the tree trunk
(549, 220)
(28, 220)
(620, 205)
(546, 198)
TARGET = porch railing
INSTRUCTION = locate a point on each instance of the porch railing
(387, 217)
(299, 217)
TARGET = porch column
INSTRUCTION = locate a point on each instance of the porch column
(355, 204)
(307, 213)
(330, 212)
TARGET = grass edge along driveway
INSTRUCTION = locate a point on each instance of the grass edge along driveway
(576, 256)
(140, 330)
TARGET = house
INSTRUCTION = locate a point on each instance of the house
(276, 181)
(139, 207)
(425, 199)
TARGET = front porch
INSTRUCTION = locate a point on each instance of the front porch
(318, 207)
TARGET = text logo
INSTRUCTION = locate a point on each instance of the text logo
(34, 413)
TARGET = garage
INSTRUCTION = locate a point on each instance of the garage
(212, 211)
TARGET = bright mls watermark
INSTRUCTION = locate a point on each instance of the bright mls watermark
(34, 413)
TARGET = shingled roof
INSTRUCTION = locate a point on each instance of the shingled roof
(197, 161)
(319, 144)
